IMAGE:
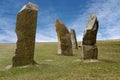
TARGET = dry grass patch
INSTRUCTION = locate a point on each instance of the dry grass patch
(53, 67)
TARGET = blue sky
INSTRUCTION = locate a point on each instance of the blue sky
(73, 13)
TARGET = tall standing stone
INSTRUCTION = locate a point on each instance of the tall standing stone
(64, 39)
(26, 31)
(73, 38)
(89, 48)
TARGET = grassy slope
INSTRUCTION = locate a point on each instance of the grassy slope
(54, 67)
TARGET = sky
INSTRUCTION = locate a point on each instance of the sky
(73, 13)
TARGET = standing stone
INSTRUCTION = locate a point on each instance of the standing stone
(73, 38)
(26, 31)
(89, 48)
(64, 39)
(90, 52)
(89, 36)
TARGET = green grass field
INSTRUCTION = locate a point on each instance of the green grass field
(54, 67)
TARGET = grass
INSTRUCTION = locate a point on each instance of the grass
(54, 67)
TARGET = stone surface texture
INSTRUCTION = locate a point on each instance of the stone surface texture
(64, 39)
(89, 48)
(26, 31)
(90, 51)
(90, 33)
(74, 39)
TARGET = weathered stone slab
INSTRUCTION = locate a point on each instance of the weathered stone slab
(89, 48)
(73, 38)
(90, 33)
(64, 39)
(89, 52)
(25, 30)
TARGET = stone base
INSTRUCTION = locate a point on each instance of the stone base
(91, 61)
(22, 61)
(66, 52)
(59, 52)
(89, 52)
(75, 47)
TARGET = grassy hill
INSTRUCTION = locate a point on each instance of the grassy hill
(54, 67)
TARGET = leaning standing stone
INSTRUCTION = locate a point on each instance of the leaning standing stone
(89, 48)
(26, 31)
(73, 38)
(64, 39)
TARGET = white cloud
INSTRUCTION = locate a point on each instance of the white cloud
(108, 14)
(107, 11)
(8, 36)
(7, 22)
(45, 29)
(43, 38)
(79, 24)
(7, 30)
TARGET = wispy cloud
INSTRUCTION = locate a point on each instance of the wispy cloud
(109, 18)
(8, 9)
(45, 25)
(45, 29)
(108, 14)
(7, 30)
(8, 36)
